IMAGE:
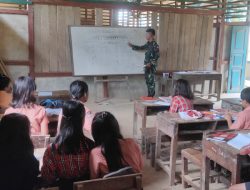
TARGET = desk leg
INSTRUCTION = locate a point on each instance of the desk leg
(210, 88)
(205, 173)
(135, 122)
(202, 88)
(236, 177)
(157, 147)
(173, 154)
(144, 118)
(218, 89)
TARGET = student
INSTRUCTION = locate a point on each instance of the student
(113, 152)
(79, 92)
(67, 159)
(19, 168)
(242, 186)
(5, 92)
(243, 118)
(182, 99)
(24, 103)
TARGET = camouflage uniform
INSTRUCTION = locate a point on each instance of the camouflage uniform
(151, 57)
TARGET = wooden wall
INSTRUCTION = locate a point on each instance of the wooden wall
(184, 41)
(14, 37)
(52, 51)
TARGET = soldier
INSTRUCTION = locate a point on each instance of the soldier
(150, 61)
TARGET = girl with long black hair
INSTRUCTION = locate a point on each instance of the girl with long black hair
(113, 152)
(67, 159)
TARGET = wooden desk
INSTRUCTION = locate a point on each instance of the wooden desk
(200, 77)
(223, 154)
(177, 129)
(145, 109)
(232, 104)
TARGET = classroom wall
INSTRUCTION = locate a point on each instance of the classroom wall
(50, 63)
(52, 51)
(185, 41)
(14, 37)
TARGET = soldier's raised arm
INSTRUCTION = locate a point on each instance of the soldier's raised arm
(134, 47)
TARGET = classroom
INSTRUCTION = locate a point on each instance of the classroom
(125, 94)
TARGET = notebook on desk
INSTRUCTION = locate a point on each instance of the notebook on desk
(240, 141)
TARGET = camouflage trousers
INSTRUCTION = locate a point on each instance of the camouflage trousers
(150, 82)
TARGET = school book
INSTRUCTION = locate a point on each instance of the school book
(240, 141)
(221, 136)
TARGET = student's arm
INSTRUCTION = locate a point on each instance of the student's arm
(94, 164)
(135, 47)
(156, 55)
(59, 122)
(44, 124)
(239, 123)
(228, 117)
(245, 150)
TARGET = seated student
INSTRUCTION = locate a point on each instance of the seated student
(113, 152)
(19, 168)
(182, 98)
(67, 159)
(243, 118)
(243, 186)
(5, 92)
(23, 102)
(79, 92)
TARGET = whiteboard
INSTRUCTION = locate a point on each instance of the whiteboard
(105, 51)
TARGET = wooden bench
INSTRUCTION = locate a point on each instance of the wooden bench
(127, 182)
(195, 157)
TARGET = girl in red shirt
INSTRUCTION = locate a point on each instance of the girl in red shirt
(182, 99)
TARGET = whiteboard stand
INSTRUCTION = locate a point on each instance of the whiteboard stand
(107, 80)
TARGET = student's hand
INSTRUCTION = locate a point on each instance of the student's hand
(228, 116)
(129, 44)
(245, 150)
(148, 65)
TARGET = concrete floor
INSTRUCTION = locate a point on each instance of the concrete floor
(123, 111)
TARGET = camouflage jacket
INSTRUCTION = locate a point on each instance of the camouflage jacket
(151, 55)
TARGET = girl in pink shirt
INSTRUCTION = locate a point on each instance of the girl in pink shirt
(79, 92)
(5, 92)
(113, 152)
(23, 102)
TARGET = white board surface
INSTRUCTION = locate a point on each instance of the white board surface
(105, 51)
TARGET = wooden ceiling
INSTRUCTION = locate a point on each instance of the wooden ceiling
(234, 10)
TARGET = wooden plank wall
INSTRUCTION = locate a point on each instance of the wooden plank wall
(52, 51)
(14, 37)
(184, 41)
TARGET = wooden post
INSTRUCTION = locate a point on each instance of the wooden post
(99, 22)
(221, 40)
(31, 41)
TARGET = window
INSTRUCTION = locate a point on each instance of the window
(134, 18)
